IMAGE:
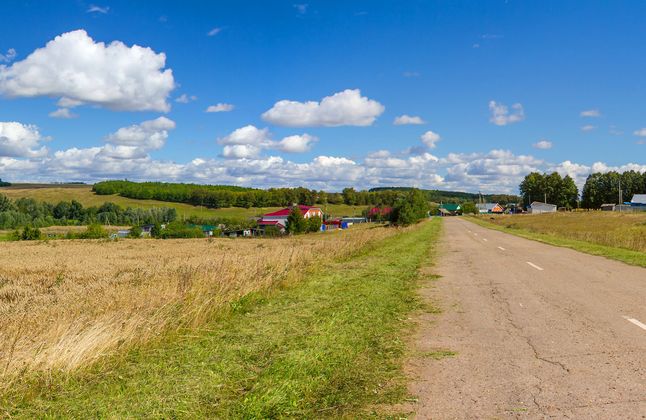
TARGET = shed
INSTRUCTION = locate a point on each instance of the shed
(537, 208)
(450, 209)
(638, 200)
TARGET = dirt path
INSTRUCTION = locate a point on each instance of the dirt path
(539, 332)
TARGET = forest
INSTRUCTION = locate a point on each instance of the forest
(601, 188)
(218, 196)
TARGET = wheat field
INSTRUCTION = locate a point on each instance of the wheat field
(66, 304)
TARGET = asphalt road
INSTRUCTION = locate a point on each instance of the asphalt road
(539, 332)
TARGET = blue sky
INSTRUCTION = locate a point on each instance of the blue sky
(504, 88)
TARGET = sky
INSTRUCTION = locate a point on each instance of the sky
(445, 95)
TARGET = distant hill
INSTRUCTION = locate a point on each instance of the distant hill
(456, 196)
(4, 184)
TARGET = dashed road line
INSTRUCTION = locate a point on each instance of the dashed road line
(634, 321)
(484, 239)
(535, 266)
(501, 248)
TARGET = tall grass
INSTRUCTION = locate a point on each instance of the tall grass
(612, 229)
(64, 304)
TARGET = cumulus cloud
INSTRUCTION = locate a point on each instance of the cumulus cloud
(64, 113)
(20, 140)
(301, 8)
(342, 108)
(296, 143)
(591, 113)
(543, 145)
(79, 70)
(9, 56)
(588, 127)
(255, 140)
(184, 98)
(430, 139)
(220, 107)
(641, 132)
(500, 114)
(140, 138)
(408, 120)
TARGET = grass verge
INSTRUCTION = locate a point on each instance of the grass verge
(329, 346)
(624, 255)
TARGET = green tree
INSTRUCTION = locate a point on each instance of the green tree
(156, 230)
(469, 208)
(314, 224)
(410, 209)
(5, 203)
(296, 223)
(135, 232)
(30, 234)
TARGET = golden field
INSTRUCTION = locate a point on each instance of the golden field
(64, 304)
(613, 229)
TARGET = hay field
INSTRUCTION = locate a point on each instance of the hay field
(64, 304)
(613, 229)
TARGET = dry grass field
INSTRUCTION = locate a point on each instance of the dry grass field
(66, 303)
(612, 229)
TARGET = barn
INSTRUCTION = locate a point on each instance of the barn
(537, 208)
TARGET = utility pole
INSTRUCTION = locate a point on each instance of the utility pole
(545, 198)
(620, 195)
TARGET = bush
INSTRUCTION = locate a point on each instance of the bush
(314, 224)
(272, 231)
(135, 232)
(30, 234)
(410, 209)
(180, 230)
(469, 208)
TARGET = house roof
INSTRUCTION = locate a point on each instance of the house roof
(287, 210)
(639, 199)
(380, 210)
(450, 206)
(539, 204)
(270, 223)
(486, 206)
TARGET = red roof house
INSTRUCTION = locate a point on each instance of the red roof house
(279, 218)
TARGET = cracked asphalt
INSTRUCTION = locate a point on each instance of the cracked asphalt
(550, 339)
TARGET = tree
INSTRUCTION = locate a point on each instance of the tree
(410, 209)
(156, 230)
(5, 203)
(30, 234)
(296, 223)
(314, 224)
(469, 208)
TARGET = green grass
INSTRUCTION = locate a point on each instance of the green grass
(83, 194)
(621, 254)
(328, 346)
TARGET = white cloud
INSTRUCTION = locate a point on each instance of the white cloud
(591, 113)
(476, 45)
(296, 143)
(140, 138)
(80, 71)
(257, 139)
(9, 56)
(98, 9)
(214, 31)
(62, 113)
(543, 145)
(500, 114)
(408, 120)
(240, 151)
(342, 108)
(430, 138)
(19, 140)
(184, 98)
(301, 8)
(641, 132)
(411, 74)
(588, 127)
(220, 107)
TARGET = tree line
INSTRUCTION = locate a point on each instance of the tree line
(602, 188)
(549, 188)
(34, 213)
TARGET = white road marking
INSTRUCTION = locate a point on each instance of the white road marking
(475, 233)
(535, 266)
(484, 239)
(634, 321)
(521, 305)
(501, 248)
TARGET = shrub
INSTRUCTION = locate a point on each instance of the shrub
(410, 209)
(296, 223)
(314, 224)
(180, 230)
(135, 232)
(30, 234)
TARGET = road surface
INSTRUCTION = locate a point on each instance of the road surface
(539, 332)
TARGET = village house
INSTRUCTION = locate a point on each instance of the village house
(379, 213)
(279, 218)
(490, 208)
(450, 209)
(537, 208)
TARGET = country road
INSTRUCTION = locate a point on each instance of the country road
(539, 332)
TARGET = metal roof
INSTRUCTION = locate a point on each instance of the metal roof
(638, 199)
